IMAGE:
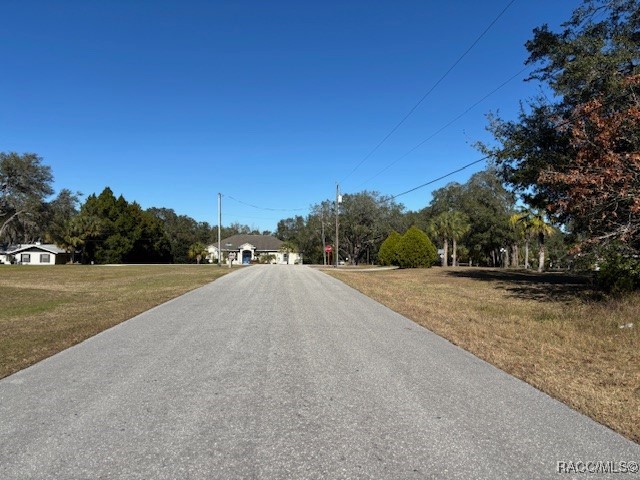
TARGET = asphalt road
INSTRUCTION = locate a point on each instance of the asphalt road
(281, 372)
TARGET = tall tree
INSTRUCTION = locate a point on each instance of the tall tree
(577, 156)
(77, 232)
(487, 205)
(127, 233)
(459, 226)
(366, 219)
(450, 225)
(599, 192)
(535, 224)
(24, 185)
(520, 235)
(59, 213)
(320, 232)
(182, 231)
(289, 229)
(440, 227)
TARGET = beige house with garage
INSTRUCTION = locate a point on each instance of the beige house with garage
(254, 249)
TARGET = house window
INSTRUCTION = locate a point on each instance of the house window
(45, 258)
(25, 258)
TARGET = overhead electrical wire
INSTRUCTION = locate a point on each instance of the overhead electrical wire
(559, 125)
(448, 124)
(433, 87)
(440, 178)
(266, 208)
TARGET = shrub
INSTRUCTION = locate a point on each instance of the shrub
(619, 270)
(388, 253)
(415, 249)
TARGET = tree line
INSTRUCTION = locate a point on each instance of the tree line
(479, 220)
(102, 229)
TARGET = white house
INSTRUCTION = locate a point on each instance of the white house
(254, 248)
(34, 254)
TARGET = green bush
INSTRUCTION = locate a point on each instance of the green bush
(619, 270)
(416, 250)
(388, 253)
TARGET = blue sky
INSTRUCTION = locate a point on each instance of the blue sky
(270, 103)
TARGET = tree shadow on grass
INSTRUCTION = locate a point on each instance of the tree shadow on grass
(548, 286)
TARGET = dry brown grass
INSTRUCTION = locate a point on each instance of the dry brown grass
(545, 329)
(47, 309)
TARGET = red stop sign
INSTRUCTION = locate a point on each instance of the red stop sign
(328, 249)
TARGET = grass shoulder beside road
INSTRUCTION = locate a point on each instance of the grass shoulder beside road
(48, 309)
(545, 329)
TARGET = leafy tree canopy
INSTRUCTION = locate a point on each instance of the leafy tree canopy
(25, 183)
(485, 206)
(576, 155)
(127, 234)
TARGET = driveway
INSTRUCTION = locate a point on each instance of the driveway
(281, 372)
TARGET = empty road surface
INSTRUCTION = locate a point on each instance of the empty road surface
(281, 372)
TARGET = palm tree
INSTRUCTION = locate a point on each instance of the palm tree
(449, 225)
(197, 251)
(79, 231)
(71, 240)
(458, 228)
(521, 235)
(439, 227)
(535, 223)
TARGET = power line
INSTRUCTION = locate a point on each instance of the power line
(557, 126)
(448, 124)
(245, 217)
(442, 177)
(266, 208)
(381, 142)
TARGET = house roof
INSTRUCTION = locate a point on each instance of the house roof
(46, 247)
(261, 242)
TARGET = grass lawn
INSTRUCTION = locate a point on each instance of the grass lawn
(47, 309)
(545, 329)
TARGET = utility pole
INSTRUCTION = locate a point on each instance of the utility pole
(338, 201)
(219, 228)
(324, 242)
